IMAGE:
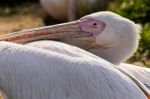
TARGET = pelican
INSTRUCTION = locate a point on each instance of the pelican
(71, 9)
(70, 75)
(136, 71)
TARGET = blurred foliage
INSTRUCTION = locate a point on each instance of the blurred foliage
(136, 10)
(139, 12)
(8, 10)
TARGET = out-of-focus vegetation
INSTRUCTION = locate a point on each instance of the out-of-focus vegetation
(139, 12)
(12, 7)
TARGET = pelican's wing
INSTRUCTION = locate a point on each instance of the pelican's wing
(77, 52)
(141, 73)
(33, 73)
(62, 48)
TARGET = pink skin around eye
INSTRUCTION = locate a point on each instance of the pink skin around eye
(92, 26)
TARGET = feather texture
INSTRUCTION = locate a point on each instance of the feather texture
(33, 73)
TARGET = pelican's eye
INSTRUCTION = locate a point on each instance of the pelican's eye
(95, 25)
(92, 26)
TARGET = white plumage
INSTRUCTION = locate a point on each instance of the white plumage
(140, 73)
(41, 74)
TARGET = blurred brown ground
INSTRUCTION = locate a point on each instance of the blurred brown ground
(28, 17)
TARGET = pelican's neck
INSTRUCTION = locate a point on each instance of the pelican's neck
(122, 51)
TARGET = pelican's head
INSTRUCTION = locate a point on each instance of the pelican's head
(105, 34)
(116, 36)
(109, 29)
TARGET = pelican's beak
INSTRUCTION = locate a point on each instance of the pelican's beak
(60, 31)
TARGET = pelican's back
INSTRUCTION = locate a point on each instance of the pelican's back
(32, 73)
(141, 73)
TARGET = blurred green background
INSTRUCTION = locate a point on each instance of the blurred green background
(139, 12)
(22, 14)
